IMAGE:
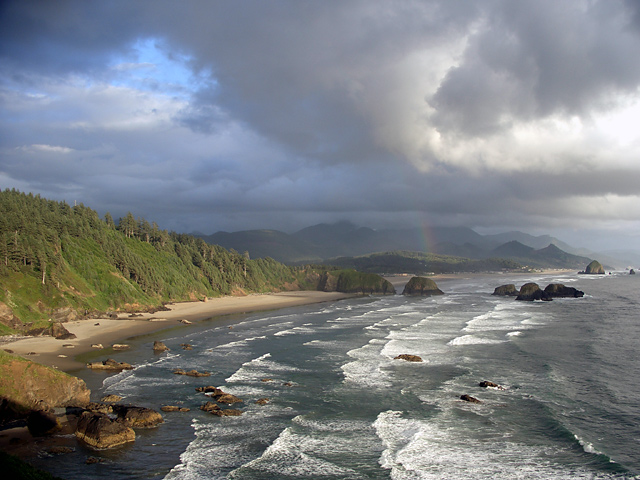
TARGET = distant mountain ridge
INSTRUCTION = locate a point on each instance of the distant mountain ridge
(323, 242)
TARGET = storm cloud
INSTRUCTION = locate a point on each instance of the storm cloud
(207, 116)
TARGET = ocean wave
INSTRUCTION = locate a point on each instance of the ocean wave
(429, 449)
(473, 340)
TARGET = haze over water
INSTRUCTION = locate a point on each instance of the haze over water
(341, 407)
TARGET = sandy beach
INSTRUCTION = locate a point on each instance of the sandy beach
(61, 354)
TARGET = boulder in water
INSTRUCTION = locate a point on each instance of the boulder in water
(469, 398)
(137, 417)
(558, 290)
(408, 358)
(98, 431)
(532, 291)
(509, 290)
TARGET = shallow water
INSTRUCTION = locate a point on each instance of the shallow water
(341, 407)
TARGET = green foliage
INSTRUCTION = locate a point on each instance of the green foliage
(423, 263)
(53, 255)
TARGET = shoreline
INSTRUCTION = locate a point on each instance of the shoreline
(62, 354)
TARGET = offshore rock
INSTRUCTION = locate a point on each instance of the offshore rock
(191, 373)
(160, 347)
(560, 291)
(531, 291)
(98, 431)
(110, 364)
(210, 389)
(487, 384)
(137, 417)
(174, 408)
(421, 287)
(469, 398)
(594, 268)
(509, 290)
(408, 358)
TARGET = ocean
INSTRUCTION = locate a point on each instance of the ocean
(341, 407)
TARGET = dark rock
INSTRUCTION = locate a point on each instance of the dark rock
(59, 332)
(42, 423)
(227, 398)
(469, 398)
(137, 417)
(92, 460)
(487, 384)
(160, 347)
(422, 287)
(174, 408)
(191, 373)
(557, 290)
(99, 408)
(408, 358)
(186, 346)
(632, 272)
(594, 268)
(509, 290)
(98, 431)
(111, 398)
(228, 412)
(210, 389)
(209, 407)
(262, 401)
(532, 291)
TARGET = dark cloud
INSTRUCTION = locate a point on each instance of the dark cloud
(233, 115)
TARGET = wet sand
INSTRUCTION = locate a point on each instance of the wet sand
(61, 354)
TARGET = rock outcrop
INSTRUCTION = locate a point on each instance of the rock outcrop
(27, 386)
(191, 373)
(60, 332)
(110, 364)
(174, 408)
(160, 347)
(99, 431)
(594, 268)
(408, 358)
(137, 417)
(421, 287)
(558, 290)
(469, 398)
(508, 290)
(532, 291)
(632, 272)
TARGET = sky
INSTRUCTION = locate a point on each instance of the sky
(204, 116)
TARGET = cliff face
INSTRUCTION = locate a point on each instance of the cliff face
(27, 386)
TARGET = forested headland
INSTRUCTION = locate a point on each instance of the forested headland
(55, 257)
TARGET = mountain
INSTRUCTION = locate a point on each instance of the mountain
(326, 242)
(61, 262)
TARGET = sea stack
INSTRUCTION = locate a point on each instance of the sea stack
(421, 287)
(594, 268)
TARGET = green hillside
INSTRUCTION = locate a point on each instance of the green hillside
(55, 256)
(419, 263)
